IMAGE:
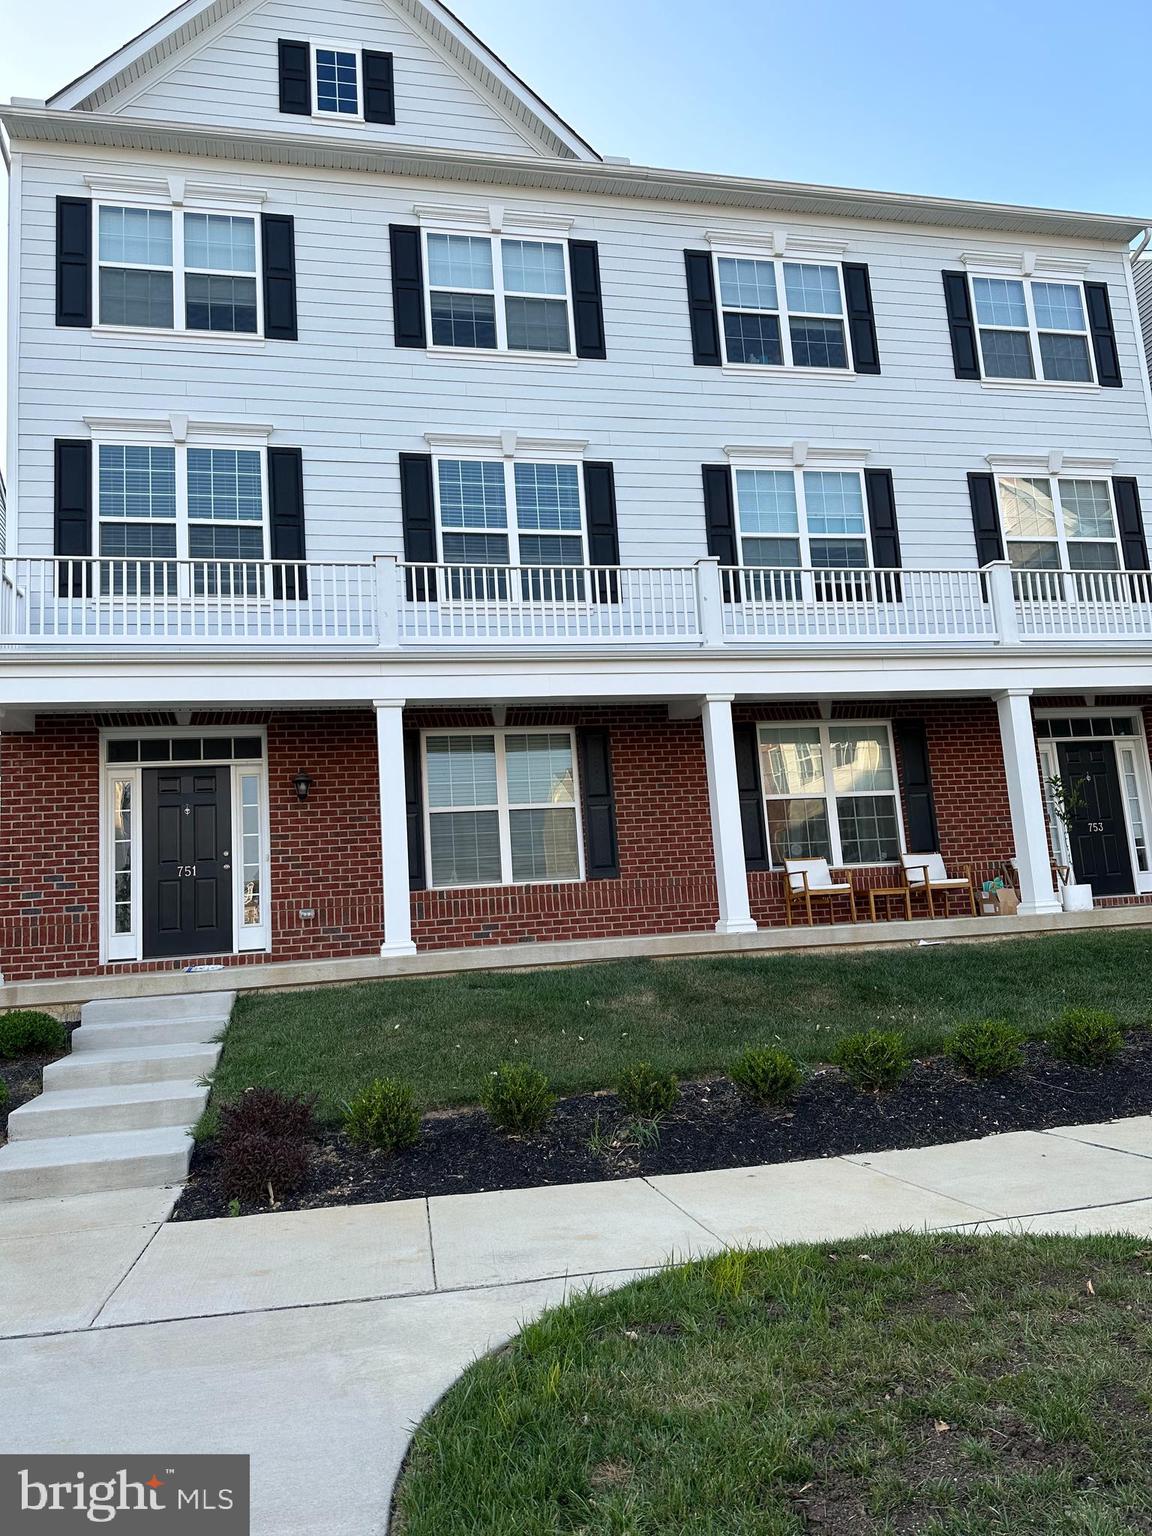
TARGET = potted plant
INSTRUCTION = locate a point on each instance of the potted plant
(1066, 797)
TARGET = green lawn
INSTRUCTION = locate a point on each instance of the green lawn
(582, 1025)
(941, 1386)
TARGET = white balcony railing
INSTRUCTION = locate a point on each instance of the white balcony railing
(386, 604)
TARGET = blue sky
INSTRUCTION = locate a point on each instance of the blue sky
(1015, 102)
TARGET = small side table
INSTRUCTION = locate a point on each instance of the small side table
(886, 892)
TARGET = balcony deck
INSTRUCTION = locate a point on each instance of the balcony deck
(59, 604)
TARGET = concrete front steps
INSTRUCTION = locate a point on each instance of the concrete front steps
(117, 1112)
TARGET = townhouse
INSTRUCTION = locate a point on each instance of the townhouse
(423, 532)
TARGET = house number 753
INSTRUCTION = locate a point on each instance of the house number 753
(185, 869)
(1095, 826)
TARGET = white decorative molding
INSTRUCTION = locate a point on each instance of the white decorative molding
(797, 454)
(176, 427)
(177, 190)
(1052, 462)
(1023, 264)
(506, 444)
(775, 242)
(494, 218)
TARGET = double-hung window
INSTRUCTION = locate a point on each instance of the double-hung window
(804, 521)
(1052, 524)
(164, 503)
(164, 269)
(781, 314)
(502, 807)
(1031, 328)
(830, 792)
(499, 512)
(494, 293)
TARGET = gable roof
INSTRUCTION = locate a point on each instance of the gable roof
(97, 88)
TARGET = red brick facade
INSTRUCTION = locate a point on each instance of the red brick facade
(325, 861)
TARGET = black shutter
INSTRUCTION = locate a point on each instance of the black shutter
(379, 93)
(751, 797)
(407, 285)
(861, 318)
(73, 261)
(961, 326)
(916, 779)
(720, 514)
(72, 512)
(985, 518)
(418, 510)
(1103, 335)
(1131, 520)
(295, 77)
(702, 308)
(278, 238)
(882, 519)
(286, 521)
(601, 854)
(603, 542)
(414, 800)
(587, 305)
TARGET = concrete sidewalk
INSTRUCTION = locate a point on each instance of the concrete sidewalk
(315, 1339)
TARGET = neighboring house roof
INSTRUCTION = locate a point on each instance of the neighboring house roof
(98, 87)
(1142, 278)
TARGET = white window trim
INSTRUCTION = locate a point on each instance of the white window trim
(180, 446)
(1061, 539)
(177, 210)
(777, 260)
(116, 947)
(1138, 742)
(498, 291)
(798, 471)
(323, 114)
(512, 531)
(1027, 278)
(829, 795)
(503, 806)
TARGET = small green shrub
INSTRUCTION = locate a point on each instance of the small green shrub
(517, 1098)
(4, 1095)
(24, 1033)
(874, 1058)
(986, 1048)
(1086, 1037)
(266, 1112)
(645, 1092)
(765, 1075)
(262, 1169)
(384, 1116)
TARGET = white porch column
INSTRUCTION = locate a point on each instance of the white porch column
(393, 827)
(724, 805)
(1026, 801)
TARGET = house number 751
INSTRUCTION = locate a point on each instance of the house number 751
(185, 869)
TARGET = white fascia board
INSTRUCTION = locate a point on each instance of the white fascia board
(651, 184)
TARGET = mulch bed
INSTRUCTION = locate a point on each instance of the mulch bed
(590, 1137)
(23, 1079)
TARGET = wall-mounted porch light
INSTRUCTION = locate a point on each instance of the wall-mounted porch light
(302, 783)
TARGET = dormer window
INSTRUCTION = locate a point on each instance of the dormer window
(337, 80)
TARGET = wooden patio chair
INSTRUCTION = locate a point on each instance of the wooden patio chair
(927, 872)
(809, 880)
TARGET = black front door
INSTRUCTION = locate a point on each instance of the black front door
(1098, 834)
(187, 873)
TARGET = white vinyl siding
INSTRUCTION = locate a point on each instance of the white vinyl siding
(353, 402)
